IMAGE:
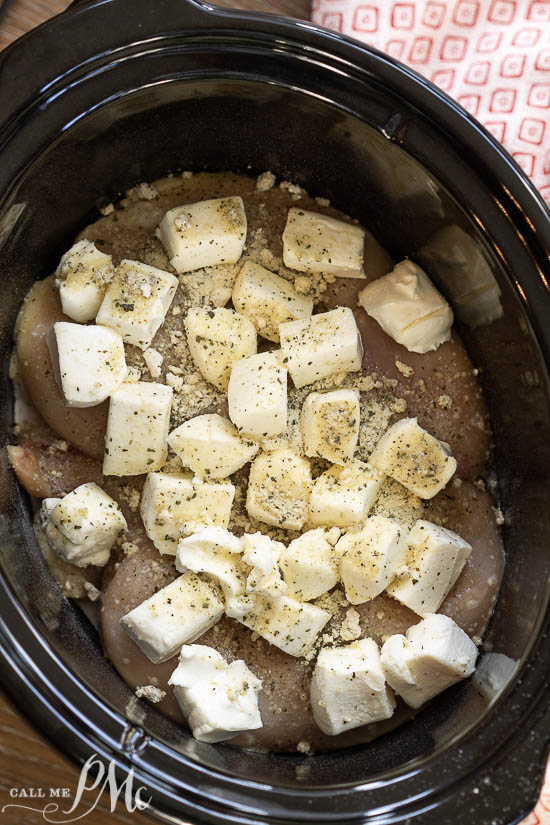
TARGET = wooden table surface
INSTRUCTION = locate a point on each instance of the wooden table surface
(26, 759)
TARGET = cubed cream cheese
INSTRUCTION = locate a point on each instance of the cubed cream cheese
(219, 700)
(290, 625)
(434, 654)
(257, 395)
(316, 243)
(342, 496)
(211, 446)
(136, 301)
(217, 338)
(415, 458)
(82, 526)
(88, 362)
(349, 689)
(370, 556)
(207, 233)
(309, 566)
(137, 429)
(279, 488)
(330, 425)
(82, 277)
(434, 561)
(176, 505)
(317, 347)
(215, 552)
(177, 614)
(409, 308)
(268, 300)
(262, 554)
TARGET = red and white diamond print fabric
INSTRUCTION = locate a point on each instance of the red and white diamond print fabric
(541, 814)
(492, 56)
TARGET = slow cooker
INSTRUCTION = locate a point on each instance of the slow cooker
(113, 92)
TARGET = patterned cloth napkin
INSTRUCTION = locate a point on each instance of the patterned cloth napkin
(492, 56)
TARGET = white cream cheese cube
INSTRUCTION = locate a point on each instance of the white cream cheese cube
(268, 300)
(434, 561)
(349, 689)
(179, 613)
(414, 458)
(219, 700)
(309, 566)
(136, 301)
(435, 654)
(316, 243)
(215, 552)
(211, 446)
(397, 656)
(317, 347)
(342, 496)
(330, 424)
(174, 505)
(279, 488)
(88, 362)
(82, 277)
(207, 233)
(82, 526)
(217, 338)
(409, 308)
(370, 557)
(257, 396)
(137, 429)
(262, 554)
(290, 625)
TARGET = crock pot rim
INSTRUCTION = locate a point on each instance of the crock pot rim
(342, 47)
(515, 188)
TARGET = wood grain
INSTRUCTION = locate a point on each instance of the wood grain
(26, 759)
(22, 15)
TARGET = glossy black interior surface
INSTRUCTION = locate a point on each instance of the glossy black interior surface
(116, 92)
